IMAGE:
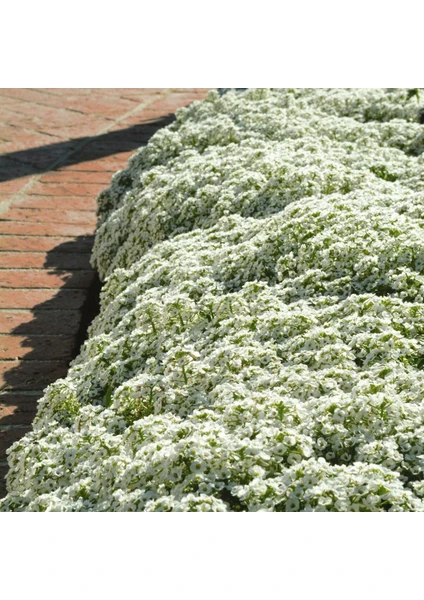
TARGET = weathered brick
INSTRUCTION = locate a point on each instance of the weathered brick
(42, 278)
(44, 229)
(24, 139)
(56, 121)
(10, 168)
(67, 176)
(18, 409)
(168, 104)
(67, 189)
(85, 161)
(27, 95)
(37, 260)
(36, 215)
(143, 95)
(139, 132)
(30, 374)
(36, 159)
(54, 299)
(13, 186)
(78, 203)
(39, 322)
(99, 103)
(63, 92)
(23, 243)
(37, 346)
(139, 119)
(8, 116)
(90, 127)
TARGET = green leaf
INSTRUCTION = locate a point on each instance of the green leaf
(108, 398)
(414, 92)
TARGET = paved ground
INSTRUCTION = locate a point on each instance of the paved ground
(59, 149)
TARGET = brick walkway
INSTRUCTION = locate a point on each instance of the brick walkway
(59, 149)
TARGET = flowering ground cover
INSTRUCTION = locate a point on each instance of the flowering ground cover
(260, 344)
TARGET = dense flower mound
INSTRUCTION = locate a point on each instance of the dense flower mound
(260, 344)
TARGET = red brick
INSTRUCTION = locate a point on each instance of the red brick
(18, 409)
(97, 104)
(22, 149)
(21, 138)
(93, 103)
(36, 347)
(10, 167)
(191, 90)
(23, 94)
(67, 176)
(67, 189)
(168, 104)
(143, 95)
(82, 161)
(39, 322)
(106, 146)
(53, 299)
(79, 203)
(42, 278)
(36, 260)
(107, 91)
(140, 120)
(138, 133)
(89, 127)
(43, 115)
(36, 160)
(19, 260)
(63, 92)
(13, 186)
(36, 215)
(30, 374)
(55, 121)
(44, 229)
(10, 114)
(46, 244)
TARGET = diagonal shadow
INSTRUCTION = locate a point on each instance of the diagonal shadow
(49, 335)
(43, 158)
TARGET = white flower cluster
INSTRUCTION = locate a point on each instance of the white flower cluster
(260, 345)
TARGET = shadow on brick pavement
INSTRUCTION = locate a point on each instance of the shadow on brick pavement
(54, 336)
(35, 161)
(59, 325)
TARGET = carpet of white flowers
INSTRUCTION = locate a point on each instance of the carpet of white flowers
(260, 345)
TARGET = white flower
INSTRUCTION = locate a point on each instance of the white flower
(261, 317)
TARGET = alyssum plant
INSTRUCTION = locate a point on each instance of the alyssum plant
(260, 342)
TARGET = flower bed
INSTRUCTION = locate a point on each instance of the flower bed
(260, 340)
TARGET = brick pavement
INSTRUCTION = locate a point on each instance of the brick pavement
(59, 149)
